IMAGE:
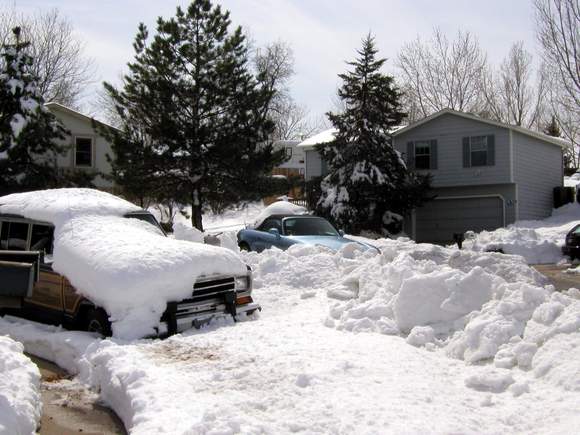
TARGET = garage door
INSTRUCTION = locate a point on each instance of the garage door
(437, 220)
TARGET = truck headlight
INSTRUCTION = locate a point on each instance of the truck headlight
(242, 283)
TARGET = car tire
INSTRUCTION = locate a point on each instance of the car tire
(98, 321)
(244, 246)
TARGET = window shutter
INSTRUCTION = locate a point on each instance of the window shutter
(433, 154)
(491, 150)
(466, 153)
(410, 155)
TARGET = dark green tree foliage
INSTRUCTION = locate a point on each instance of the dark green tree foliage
(194, 116)
(368, 184)
(29, 134)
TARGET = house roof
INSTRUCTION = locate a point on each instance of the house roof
(59, 107)
(328, 136)
(522, 130)
(322, 137)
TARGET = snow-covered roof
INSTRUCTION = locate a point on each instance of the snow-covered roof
(327, 136)
(126, 266)
(52, 106)
(522, 130)
(322, 137)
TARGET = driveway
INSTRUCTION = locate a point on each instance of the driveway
(558, 277)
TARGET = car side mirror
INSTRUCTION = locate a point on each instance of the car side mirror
(275, 232)
(341, 232)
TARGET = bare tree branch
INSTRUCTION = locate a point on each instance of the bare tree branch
(440, 74)
(60, 64)
(558, 30)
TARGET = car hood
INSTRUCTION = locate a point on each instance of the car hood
(332, 242)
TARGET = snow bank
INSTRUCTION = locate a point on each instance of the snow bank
(537, 241)
(124, 265)
(279, 207)
(20, 402)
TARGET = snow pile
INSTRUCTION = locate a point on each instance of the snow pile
(20, 403)
(279, 207)
(124, 265)
(537, 241)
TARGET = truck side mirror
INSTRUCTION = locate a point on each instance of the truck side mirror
(341, 232)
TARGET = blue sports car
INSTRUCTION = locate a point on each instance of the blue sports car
(282, 231)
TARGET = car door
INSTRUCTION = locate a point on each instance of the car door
(265, 239)
(47, 294)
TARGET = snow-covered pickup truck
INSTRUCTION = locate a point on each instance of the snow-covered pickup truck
(90, 260)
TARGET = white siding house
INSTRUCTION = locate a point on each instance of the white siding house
(295, 155)
(87, 149)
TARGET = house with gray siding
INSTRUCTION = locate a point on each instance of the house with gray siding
(485, 174)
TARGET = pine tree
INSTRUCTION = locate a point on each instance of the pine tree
(29, 133)
(200, 110)
(368, 184)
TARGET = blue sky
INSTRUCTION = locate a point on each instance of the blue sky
(323, 33)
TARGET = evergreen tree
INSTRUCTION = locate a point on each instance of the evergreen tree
(368, 184)
(28, 132)
(198, 110)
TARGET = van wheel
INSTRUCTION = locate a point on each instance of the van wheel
(244, 246)
(98, 321)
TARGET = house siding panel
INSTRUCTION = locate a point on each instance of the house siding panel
(449, 131)
(313, 164)
(537, 170)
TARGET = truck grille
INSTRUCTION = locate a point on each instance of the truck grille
(209, 297)
(207, 289)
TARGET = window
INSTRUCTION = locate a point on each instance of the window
(308, 227)
(41, 238)
(478, 150)
(4, 235)
(269, 224)
(289, 152)
(17, 236)
(422, 154)
(84, 151)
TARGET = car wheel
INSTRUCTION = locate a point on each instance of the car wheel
(98, 321)
(244, 246)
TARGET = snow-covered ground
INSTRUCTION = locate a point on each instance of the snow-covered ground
(418, 339)
(537, 241)
(20, 403)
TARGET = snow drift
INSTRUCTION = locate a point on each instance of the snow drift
(20, 403)
(537, 241)
(126, 266)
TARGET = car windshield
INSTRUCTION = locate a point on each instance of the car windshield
(308, 227)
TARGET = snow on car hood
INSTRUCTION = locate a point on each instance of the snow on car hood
(126, 266)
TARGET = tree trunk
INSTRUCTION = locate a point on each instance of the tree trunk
(196, 212)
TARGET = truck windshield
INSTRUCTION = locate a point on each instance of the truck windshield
(146, 217)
